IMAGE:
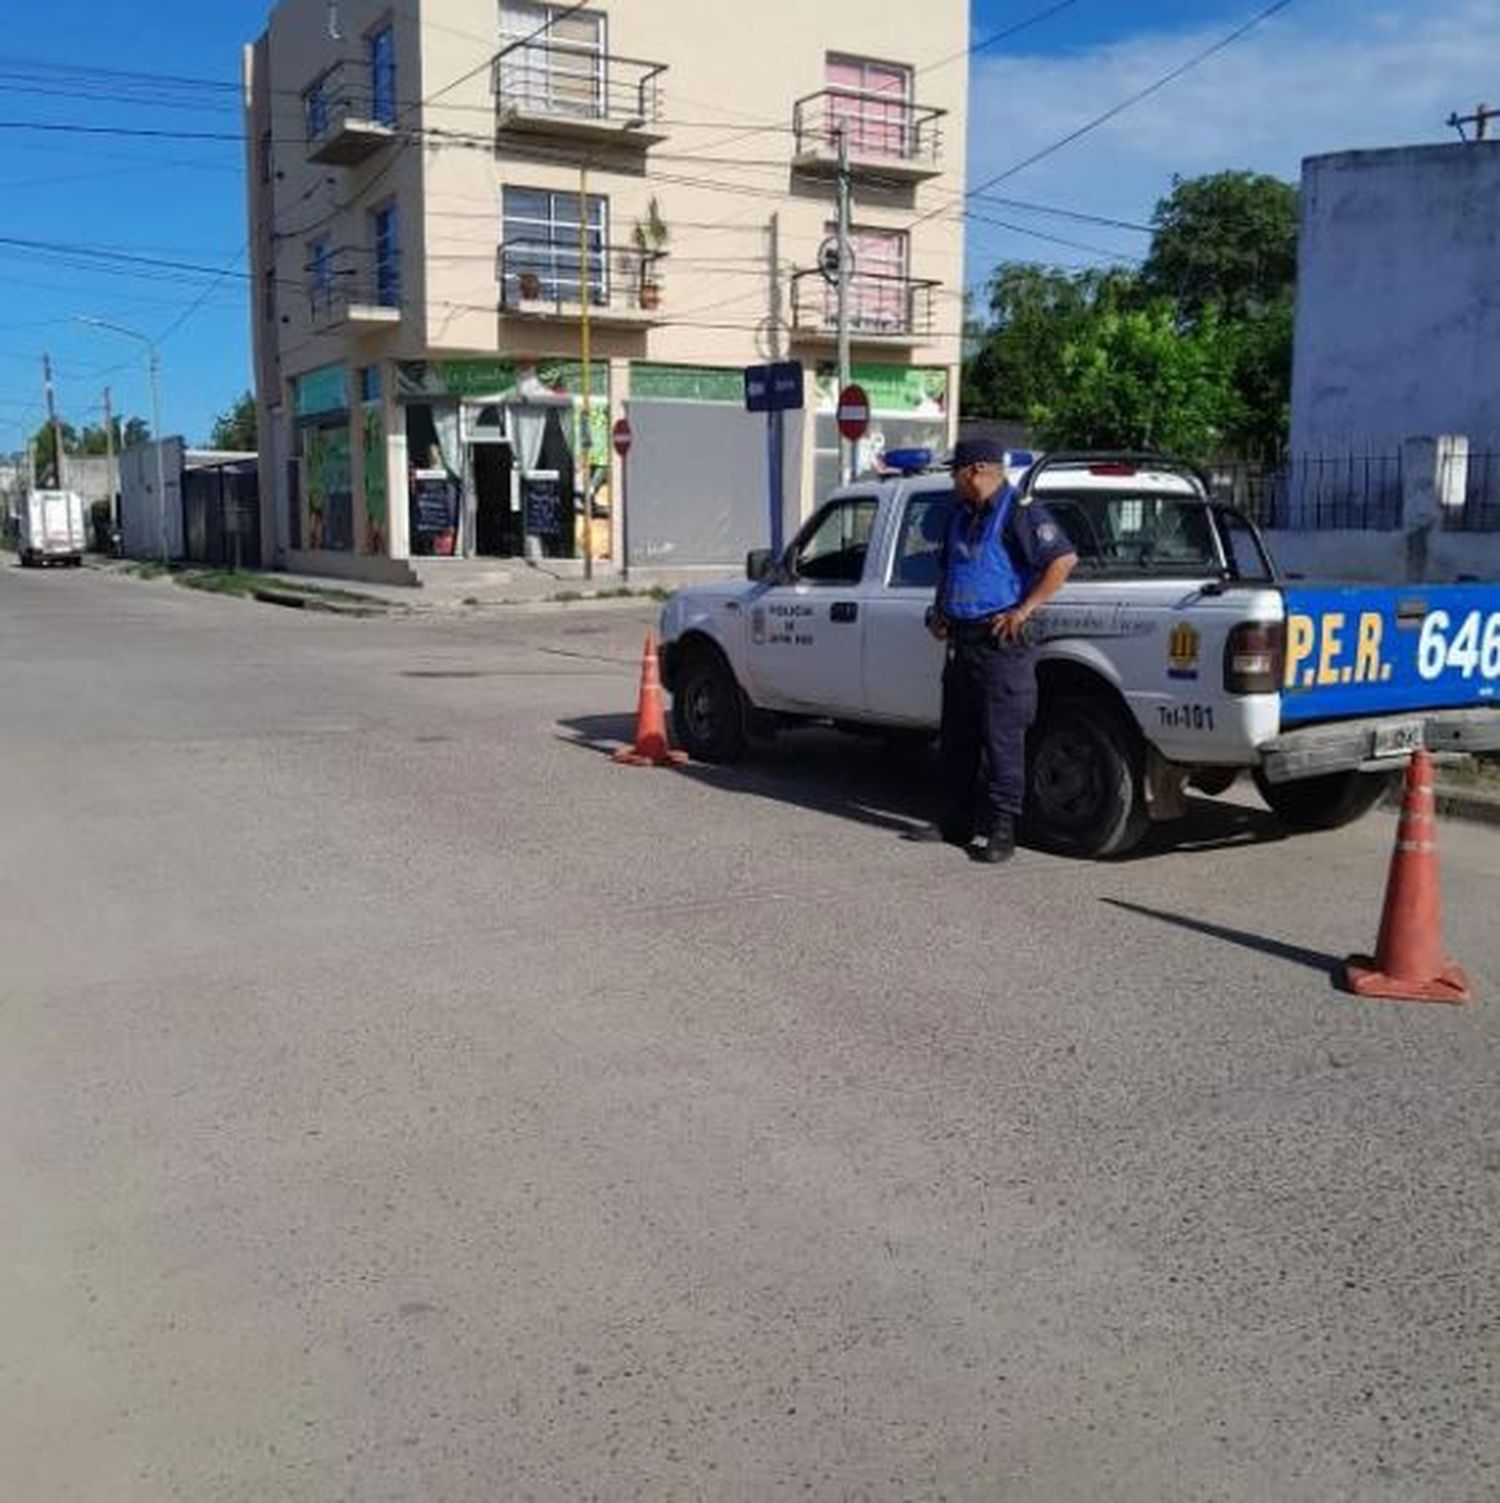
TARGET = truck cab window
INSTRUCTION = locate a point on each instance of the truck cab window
(832, 549)
(919, 545)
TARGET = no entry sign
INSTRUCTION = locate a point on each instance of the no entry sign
(854, 412)
(623, 437)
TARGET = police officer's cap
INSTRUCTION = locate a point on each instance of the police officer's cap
(976, 451)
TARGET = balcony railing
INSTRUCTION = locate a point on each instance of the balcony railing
(346, 121)
(563, 88)
(541, 279)
(885, 309)
(886, 136)
(356, 288)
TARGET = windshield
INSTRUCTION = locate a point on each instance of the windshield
(1145, 533)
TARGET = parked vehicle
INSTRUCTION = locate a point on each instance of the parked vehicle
(1175, 656)
(53, 529)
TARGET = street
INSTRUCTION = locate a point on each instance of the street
(400, 1101)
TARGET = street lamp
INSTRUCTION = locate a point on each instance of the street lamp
(153, 367)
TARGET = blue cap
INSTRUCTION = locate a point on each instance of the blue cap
(976, 451)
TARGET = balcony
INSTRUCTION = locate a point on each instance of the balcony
(541, 281)
(889, 139)
(353, 290)
(552, 88)
(883, 310)
(346, 124)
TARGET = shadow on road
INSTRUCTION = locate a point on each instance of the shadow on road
(895, 787)
(1313, 960)
(857, 778)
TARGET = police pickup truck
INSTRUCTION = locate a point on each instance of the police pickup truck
(1174, 657)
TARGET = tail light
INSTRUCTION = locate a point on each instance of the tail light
(1254, 657)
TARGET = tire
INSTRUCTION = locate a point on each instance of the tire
(1326, 802)
(708, 709)
(1084, 790)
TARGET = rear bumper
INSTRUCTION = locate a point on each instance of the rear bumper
(1352, 745)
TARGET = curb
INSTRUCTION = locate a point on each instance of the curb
(292, 601)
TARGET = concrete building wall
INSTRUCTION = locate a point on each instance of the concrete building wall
(1398, 299)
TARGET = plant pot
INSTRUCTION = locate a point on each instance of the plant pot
(650, 295)
(530, 287)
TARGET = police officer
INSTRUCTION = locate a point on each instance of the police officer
(1003, 558)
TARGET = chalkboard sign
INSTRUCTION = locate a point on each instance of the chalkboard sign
(543, 504)
(434, 502)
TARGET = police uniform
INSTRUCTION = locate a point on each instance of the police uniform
(992, 557)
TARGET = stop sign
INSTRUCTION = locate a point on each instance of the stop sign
(854, 412)
(622, 437)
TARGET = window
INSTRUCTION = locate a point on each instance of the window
(919, 545)
(385, 232)
(541, 254)
(1119, 533)
(832, 550)
(555, 63)
(315, 102)
(369, 383)
(871, 103)
(320, 269)
(878, 290)
(383, 75)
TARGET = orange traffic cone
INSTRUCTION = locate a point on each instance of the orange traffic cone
(1410, 963)
(650, 749)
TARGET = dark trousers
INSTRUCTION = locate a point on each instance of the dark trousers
(989, 700)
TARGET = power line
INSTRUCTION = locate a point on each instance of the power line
(1130, 100)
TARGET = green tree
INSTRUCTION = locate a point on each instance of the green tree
(1228, 240)
(236, 429)
(1132, 379)
(136, 431)
(1033, 312)
(41, 441)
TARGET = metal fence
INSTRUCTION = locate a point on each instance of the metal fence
(1469, 492)
(1315, 493)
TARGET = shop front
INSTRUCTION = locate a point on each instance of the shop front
(324, 452)
(493, 452)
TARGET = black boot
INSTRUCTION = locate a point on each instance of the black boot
(1001, 844)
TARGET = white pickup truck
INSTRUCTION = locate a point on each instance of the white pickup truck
(1174, 657)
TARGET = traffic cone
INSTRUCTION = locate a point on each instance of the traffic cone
(1410, 963)
(650, 749)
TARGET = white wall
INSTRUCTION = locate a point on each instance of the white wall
(1398, 299)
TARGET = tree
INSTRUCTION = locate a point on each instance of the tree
(1034, 311)
(1229, 239)
(1132, 379)
(136, 432)
(236, 429)
(41, 442)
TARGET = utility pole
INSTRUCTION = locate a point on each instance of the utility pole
(586, 425)
(774, 252)
(58, 481)
(846, 269)
(775, 419)
(109, 452)
(1480, 120)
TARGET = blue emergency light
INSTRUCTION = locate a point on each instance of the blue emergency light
(907, 461)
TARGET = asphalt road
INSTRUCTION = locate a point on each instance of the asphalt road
(399, 1101)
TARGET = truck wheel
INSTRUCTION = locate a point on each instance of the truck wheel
(1326, 802)
(708, 710)
(1085, 796)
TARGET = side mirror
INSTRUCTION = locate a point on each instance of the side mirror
(760, 564)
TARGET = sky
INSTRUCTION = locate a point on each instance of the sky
(1319, 76)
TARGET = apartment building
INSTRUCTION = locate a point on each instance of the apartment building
(482, 233)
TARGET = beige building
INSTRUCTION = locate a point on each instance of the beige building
(444, 340)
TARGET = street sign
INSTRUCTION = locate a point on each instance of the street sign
(773, 388)
(623, 437)
(853, 412)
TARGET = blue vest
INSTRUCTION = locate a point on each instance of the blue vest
(982, 579)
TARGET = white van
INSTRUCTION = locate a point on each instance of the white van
(54, 529)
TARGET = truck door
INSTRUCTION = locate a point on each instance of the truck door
(803, 647)
(903, 661)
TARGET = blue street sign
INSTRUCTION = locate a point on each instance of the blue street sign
(773, 388)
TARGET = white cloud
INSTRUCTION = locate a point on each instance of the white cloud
(1317, 78)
